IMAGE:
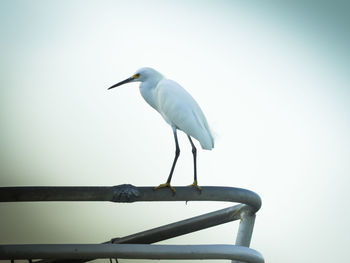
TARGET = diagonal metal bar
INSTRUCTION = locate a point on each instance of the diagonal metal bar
(131, 251)
(186, 226)
(176, 229)
(129, 193)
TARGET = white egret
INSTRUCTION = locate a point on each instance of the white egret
(179, 110)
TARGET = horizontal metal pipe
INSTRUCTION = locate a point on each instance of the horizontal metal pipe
(131, 251)
(129, 193)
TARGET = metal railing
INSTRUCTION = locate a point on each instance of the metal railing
(138, 245)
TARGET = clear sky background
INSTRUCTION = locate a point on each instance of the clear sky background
(271, 76)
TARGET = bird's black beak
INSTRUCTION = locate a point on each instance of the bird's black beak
(123, 82)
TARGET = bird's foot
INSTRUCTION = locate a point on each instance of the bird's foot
(165, 185)
(195, 184)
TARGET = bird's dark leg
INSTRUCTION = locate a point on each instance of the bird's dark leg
(194, 152)
(177, 153)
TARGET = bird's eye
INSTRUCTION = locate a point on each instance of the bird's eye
(136, 76)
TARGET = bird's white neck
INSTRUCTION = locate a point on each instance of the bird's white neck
(148, 90)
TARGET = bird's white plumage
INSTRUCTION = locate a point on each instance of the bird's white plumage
(178, 109)
(176, 105)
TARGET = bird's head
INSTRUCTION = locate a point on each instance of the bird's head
(143, 74)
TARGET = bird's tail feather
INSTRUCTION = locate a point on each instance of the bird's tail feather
(207, 142)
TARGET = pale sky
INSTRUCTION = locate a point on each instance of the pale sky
(271, 77)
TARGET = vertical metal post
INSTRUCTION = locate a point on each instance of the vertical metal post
(245, 230)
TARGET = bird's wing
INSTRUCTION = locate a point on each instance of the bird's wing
(180, 110)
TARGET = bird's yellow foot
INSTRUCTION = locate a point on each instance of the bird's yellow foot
(194, 184)
(165, 185)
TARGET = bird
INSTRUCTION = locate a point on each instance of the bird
(179, 109)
